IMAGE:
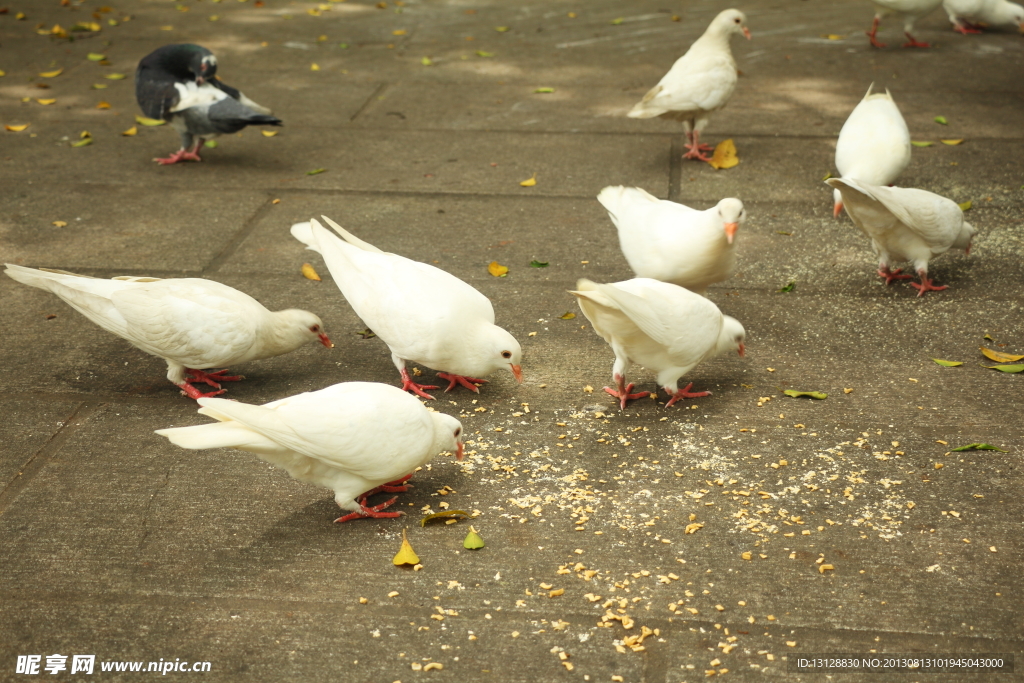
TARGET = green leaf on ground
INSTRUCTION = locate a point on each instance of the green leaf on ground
(980, 447)
(965, 206)
(790, 287)
(473, 540)
(1005, 368)
(538, 264)
(915, 143)
(316, 171)
(947, 363)
(942, 120)
(820, 395)
(442, 515)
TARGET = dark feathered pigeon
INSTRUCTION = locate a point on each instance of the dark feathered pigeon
(179, 84)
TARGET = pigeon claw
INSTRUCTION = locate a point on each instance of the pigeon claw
(873, 32)
(470, 383)
(212, 378)
(913, 42)
(966, 28)
(180, 155)
(190, 391)
(374, 512)
(684, 393)
(623, 394)
(891, 275)
(418, 389)
(927, 285)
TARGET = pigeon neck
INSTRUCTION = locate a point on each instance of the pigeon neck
(278, 334)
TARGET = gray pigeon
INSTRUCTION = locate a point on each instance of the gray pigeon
(179, 84)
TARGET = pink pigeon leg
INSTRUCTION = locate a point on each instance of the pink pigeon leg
(873, 32)
(913, 42)
(623, 393)
(212, 378)
(192, 392)
(695, 150)
(966, 27)
(396, 486)
(180, 155)
(468, 382)
(374, 512)
(684, 393)
(926, 284)
(891, 275)
(418, 389)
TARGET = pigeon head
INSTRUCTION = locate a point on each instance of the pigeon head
(447, 434)
(199, 62)
(296, 327)
(732, 213)
(731, 336)
(501, 351)
(731, 21)
(1008, 13)
(963, 240)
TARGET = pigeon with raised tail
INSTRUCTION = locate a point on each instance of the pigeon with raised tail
(179, 84)
(905, 224)
(424, 314)
(664, 327)
(671, 242)
(874, 144)
(355, 438)
(191, 323)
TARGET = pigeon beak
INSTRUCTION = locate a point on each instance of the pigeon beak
(730, 231)
(325, 340)
(518, 372)
(458, 450)
(743, 350)
(200, 80)
(837, 209)
(746, 32)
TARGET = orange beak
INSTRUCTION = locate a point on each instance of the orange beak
(325, 340)
(837, 209)
(458, 450)
(746, 32)
(518, 372)
(730, 231)
(743, 350)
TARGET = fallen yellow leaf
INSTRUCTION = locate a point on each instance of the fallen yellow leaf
(51, 74)
(46, 101)
(399, 32)
(529, 182)
(115, 77)
(309, 272)
(131, 131)
(17, 128)
(148, 122)
(568, 316)
(725, 155)
(103, 105)
(269, 133)
(496, 269)
(998, 356)
(314, 67)
(60, 224)
(405, 554)
(952, 142)
(85, 134)
(2, 73)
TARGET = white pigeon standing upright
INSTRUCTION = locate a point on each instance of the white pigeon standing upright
(912, 10)
(355, 438)
(968, 16)
(424, 314)
(191, 323)
(671, 242)
(905, 224)
(698, 84)
(659, 325)
(874, 143)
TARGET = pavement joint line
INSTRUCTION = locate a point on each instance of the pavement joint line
(169, 399)
(229, 249)
(374, 97)
(38, 460)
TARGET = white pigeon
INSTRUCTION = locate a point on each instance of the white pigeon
(671, 242)
(191, 323)
(659, 325)
(699, 83)
(905, 224)
(874, 144)
(355, 438)
(968, 16)
(912, 10)
(424, 314)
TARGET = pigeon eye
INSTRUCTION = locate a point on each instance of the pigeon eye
(736, 20)
(506, 354)
(458, 431)
(315, 328)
